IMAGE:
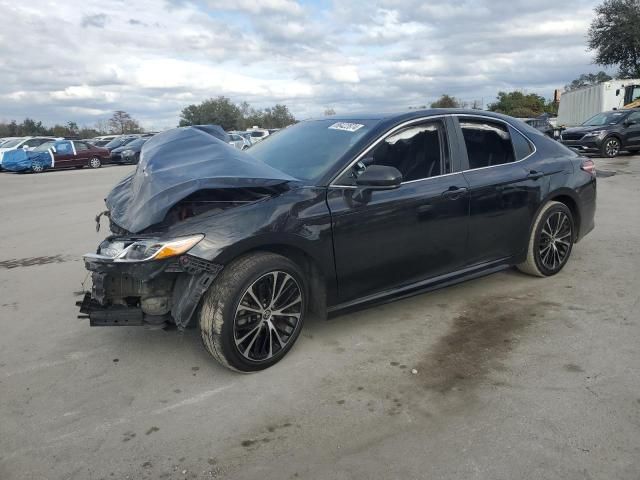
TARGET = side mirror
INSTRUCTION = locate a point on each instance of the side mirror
(376, 177)
(25, 147)
(628, 123)
(379, 177)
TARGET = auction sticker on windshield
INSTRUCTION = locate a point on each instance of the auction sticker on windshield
(346, 127)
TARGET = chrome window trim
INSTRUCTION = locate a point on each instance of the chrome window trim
(421, 119)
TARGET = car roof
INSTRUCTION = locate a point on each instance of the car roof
(411, 114)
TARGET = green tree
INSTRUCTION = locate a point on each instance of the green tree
(277, 116)
(446, 101)
(615, 36)
(517, 104)
(587, 79)
(31, 127)
(73, 128)
(219, 111)
(86, 132)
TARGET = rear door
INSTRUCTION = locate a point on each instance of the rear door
(505, 189)
(82, 153)
(394, 238)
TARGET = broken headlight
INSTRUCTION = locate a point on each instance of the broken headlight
(155, 249)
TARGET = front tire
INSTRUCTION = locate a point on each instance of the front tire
(95, 162)
(253, 313)
(37, 168)
(611, 147)
(551, 241)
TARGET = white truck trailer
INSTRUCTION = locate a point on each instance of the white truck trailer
(579, 105)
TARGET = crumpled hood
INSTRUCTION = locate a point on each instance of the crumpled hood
(176, 163)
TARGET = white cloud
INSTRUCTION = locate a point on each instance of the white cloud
(85, 58)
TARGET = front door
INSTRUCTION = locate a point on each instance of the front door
(64, 155)
(631, 133)
(388, 239)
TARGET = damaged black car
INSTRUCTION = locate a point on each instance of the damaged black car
(326, 216)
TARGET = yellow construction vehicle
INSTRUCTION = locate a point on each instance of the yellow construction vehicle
(631, 96)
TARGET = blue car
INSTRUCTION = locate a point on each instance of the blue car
(57, 154)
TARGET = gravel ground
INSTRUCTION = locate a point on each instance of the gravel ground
(517, 377)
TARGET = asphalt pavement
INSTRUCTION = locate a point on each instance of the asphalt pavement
(503, 377)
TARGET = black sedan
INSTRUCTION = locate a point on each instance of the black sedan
(330, 215)
(128, 153)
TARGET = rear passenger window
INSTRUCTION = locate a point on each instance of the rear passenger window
(488, 143)
(521, 145)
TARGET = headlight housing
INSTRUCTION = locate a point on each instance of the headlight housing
(155, 249)
(127, 153)
(596, 133)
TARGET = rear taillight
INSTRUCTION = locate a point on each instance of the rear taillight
(589, 166)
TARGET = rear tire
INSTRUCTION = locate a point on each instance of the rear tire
(551, 241)
(95, 162)
(260, 334)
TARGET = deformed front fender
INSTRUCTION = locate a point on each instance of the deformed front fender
(297, 218)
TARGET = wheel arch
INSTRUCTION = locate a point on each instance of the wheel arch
(318, 279)
(616, 135)
(569, 198)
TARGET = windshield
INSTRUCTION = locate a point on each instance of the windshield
(308, 149)
(120, 141)
(116, 142)
(44, 147)
(606, 118)
(138, 142)
(13, 143)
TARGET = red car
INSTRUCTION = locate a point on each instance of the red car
(74, 153)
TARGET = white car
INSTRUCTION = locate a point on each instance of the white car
(27, 143)
(238, 141)
(258, 134)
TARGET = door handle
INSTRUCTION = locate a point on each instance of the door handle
(453, 193)
(535, 175)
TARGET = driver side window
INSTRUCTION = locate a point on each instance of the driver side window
(634, 118)
(417, 151)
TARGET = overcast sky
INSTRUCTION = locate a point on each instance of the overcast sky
(81, 59)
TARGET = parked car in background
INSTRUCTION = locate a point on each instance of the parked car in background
(606, 133)
(54, 155)
(239, 141)
(120, 141)
(24, 143)
(258, 134)
(543, 125)
(6, 139)
(329, 215)
(129, 152)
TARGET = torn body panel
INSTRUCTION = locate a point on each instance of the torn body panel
(153, 292)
